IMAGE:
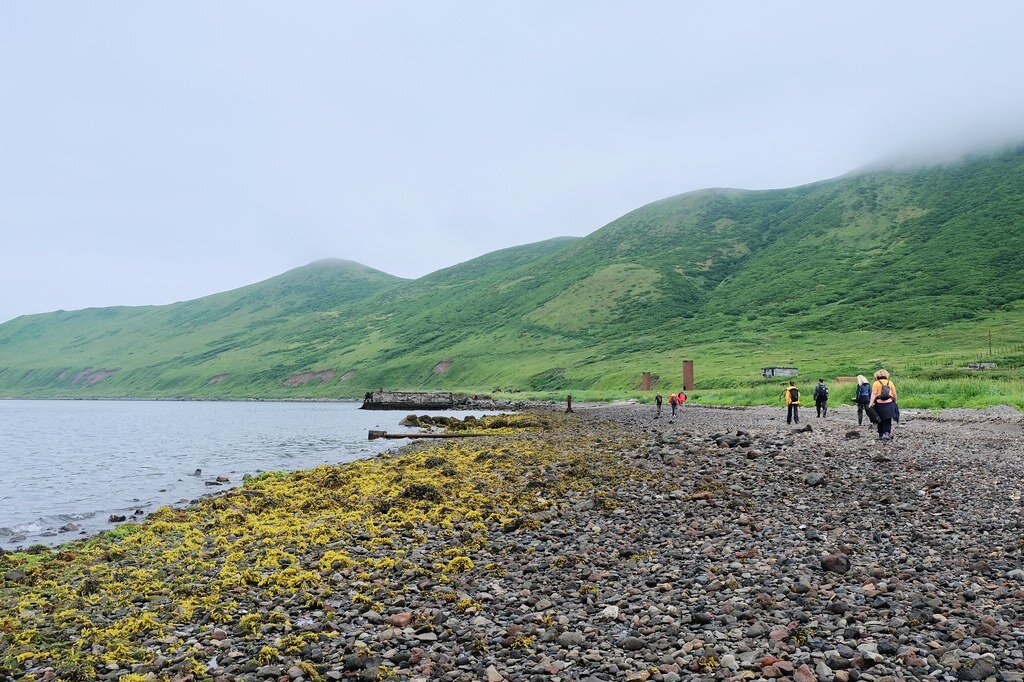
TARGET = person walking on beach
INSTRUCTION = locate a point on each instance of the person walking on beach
(792, 395)
(821, 398)
(862, 397)
(673, 401)
(657, 401)
(681, 399)
(568, 404)
(883, 399)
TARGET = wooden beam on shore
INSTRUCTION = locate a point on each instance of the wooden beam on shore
(374, 435)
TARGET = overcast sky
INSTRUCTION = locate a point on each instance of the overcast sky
(158, 151)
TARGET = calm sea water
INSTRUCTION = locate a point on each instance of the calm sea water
(79, 462)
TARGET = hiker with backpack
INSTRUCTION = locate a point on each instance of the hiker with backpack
(821, 398)
(792, 396)
(681, 399)
(883, 401)
(673, 401)
(862, 397)
(657, 401)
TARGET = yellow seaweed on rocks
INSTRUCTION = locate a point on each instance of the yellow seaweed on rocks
(459, 564)
(311, 543)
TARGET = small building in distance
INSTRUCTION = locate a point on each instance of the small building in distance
(770, 372)
(982, 365)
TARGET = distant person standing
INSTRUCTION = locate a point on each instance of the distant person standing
(568, 404)
(862, 397)
(681, 399)
(658, 400)
(673, 401)
(792, 396)
(821, 398)
(883, 399)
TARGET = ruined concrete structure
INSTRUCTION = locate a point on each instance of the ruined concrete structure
(769, 372)
(408, 400)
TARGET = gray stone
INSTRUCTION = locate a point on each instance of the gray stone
(633, 644)
(814, 479)
(571, 638)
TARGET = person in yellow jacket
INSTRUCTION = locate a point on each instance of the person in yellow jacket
(792, 396)
(883, 400)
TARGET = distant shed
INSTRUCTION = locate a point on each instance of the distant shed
(770, 372)
(982, 365)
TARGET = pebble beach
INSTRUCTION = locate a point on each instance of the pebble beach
(600, 545)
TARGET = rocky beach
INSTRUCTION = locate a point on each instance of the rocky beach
(600, 545)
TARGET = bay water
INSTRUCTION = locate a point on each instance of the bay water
(79, 461)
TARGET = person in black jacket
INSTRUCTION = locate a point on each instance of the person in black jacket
(821, 398)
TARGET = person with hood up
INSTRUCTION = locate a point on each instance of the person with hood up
(883, 399)
(862, 397)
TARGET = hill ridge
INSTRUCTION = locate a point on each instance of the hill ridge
(734, 278)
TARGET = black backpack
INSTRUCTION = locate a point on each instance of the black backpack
(794, 394)
(821, 392)
(885, 393)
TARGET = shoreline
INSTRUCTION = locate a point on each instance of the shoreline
(604, 545)
(492, 404)
(50, 506)
(1001, 409)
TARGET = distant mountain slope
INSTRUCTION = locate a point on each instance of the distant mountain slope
(175, 342)
(907, 250)
(836, 276)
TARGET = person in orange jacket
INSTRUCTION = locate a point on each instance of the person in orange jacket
(883, 399)
(792, 396)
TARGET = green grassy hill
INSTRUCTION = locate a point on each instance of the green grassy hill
(915, 270)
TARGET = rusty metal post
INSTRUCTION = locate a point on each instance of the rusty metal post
(687, 375)
(645, 383)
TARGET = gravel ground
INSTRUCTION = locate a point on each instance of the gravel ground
(721, 545)
(810, 555)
